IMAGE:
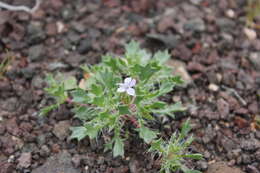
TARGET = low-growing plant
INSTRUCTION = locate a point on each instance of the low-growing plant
(252, 10)
(121, 91)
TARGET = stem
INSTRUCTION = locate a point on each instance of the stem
(132, 120)
(70, 101)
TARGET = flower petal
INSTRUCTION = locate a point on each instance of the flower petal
(130, 91)
(121, 89)
(127, 80)
(132, 83)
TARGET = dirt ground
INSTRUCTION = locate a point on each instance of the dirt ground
(211, 49)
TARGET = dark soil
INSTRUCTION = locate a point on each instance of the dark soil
(222, 67)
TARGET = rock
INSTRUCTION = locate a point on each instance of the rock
(35, 33)
(209, 135)
(37, 82)
(76, 160)
(223, 108)
(196, 2)
(213, 87)
(10, 105)
(24, 160)
(12, 127)
(250, 33)
(56, 66)
(250, 145)
(225, 24)
(169, 41)
(6, 167)
(246, 159)
(51, 29)
(165, 23)
(179, 68)
(56, 164)
(254, 58)
(202, 165)
(36, 53)
(222, 167)
(133, 166)
(230, 13)
(84, 46)
(67, 13)
(61, 129)
(195, 25)
(45, 151)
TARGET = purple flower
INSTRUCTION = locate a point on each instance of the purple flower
(127, 86)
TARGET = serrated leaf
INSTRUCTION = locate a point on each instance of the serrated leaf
(92, 130)
(169, 110)
(185, 128)
(161, 56)
(78, 133)
(118, 149)
(70, 83)
(79, 96)
(84, 113)
(97, 89)
(146, 134)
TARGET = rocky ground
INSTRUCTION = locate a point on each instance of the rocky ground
(211, 49)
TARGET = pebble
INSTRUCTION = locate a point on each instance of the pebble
(225, 24)
(35, 33)
(213, 87)
(230, 13)
(84, 46)
(250, 33)
(61, 129)
(254, 58)
(24, 160)
(58, 163)
(36, 53)
(222, 167)
(195, 25)
(179, 68)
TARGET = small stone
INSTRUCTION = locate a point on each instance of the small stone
(24, 160)
(195, 25)
(84, 46)
(56, 164)
(254, 58)
(60, 27)
(246, 159)
(51, 29)
(225, 24)
(179, 68)
(222, 167)
(61, 130)
(230, 13)
(250, 145)
(67, 13)
(76, 160)
(36, 53)
(196, 2)
(213, 87)
(223, 108)
(35, 33)
(250, 33)
(202, 165)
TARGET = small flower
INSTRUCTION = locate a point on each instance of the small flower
(127, 86)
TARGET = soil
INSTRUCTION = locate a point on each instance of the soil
(208, 39)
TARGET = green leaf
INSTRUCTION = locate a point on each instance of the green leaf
(99, 101)
(84, 113)
(185, 128)
(147, 71)
(47, 109)
(97, 89)
(123, 109)
(70, 83)
(157, 145)
(196, 156)
(161, 56)
(169, 110)
(165, 88)
(92, 130)
(146, 134)
(80, 96)
(78, 133)
(118, 149)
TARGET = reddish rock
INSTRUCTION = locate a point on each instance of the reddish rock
(12, 127)
(51, 29)
(24, 160)
(6, 167)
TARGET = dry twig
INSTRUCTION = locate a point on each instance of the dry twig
(21, 7)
